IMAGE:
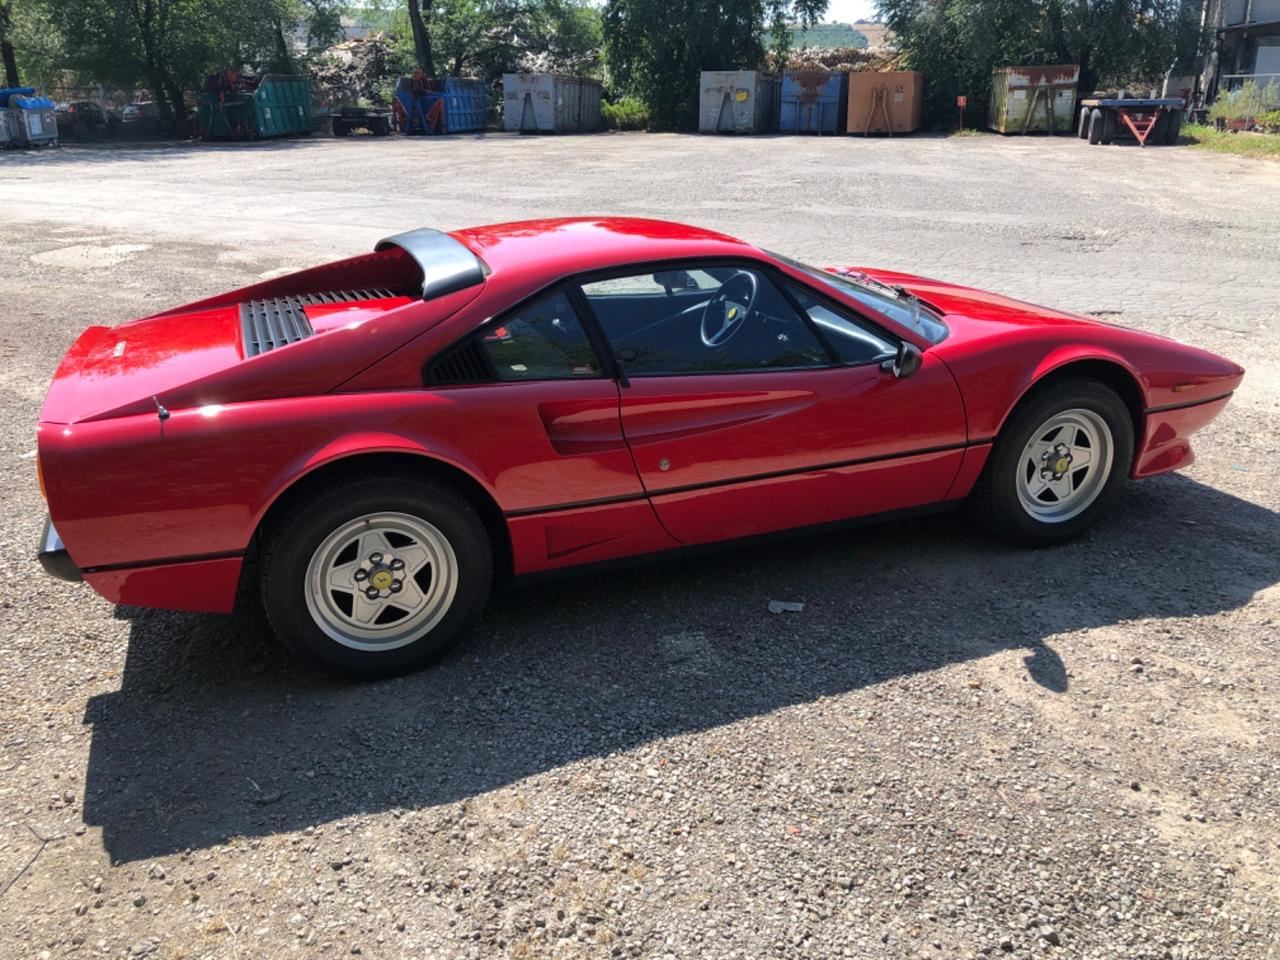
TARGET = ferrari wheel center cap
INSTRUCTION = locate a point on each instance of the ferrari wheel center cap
(382, 579)
(1055, 462)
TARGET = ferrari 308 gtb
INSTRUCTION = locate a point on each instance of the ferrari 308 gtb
(378, 439)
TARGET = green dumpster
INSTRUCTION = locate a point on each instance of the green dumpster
(276, 105)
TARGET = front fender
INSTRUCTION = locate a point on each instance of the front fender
(987, 424)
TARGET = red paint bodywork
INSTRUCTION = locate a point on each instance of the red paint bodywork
(160, 512)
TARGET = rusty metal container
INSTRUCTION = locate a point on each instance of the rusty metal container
(885, 102)
(814, 101)
(1033, 99)
(737, 101)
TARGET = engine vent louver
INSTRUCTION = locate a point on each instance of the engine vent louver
(464, 363)
(274, 322)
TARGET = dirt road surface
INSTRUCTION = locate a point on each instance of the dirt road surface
(957, 748)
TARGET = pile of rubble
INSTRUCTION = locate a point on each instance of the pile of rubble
(851, 59)
(352, 72)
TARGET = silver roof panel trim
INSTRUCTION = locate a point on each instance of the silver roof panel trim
(447, 265)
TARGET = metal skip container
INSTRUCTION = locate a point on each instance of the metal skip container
(233, 107)
(813, 101)
(454, 105)
(738, 101)
(887, 102)
(1033, 99)
(30, 121)
(550, 103)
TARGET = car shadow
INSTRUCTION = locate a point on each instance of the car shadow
(215, 734)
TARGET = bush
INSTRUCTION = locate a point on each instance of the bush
(1270, 121)
(1252, 103)
(629, 113)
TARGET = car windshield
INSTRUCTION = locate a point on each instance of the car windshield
(894, 302)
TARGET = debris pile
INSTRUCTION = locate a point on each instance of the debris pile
(851, 59)
(352, 72)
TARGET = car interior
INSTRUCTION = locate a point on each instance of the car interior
(713, 319)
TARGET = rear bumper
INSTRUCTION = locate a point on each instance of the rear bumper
(53, 555)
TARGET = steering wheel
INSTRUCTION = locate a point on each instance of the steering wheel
(726, 313)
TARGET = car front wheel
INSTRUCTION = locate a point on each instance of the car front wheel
(1057, 466)
(376, 577)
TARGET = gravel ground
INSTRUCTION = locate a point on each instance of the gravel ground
(957, 749)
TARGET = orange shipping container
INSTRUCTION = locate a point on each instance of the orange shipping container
(885, 102)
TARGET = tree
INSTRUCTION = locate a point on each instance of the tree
(170, 46)
(11, 76)
(956, 43)
(422, 36)
(655, 49)
(485, 38)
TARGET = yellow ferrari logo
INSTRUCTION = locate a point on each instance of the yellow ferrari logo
(733, 312)
(1060, 465)
(382, 579)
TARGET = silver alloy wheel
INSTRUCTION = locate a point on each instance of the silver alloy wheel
(1065, 465)
(381, 581)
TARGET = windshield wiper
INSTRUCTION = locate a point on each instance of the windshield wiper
(911, 298)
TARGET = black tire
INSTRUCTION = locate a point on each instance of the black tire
(1108, 126)
(340, 128)
(1082, 126)
(381, 127)
(291, 540)
(995, 501)
(1174, 128)
(1095, 125)
(1160, 131)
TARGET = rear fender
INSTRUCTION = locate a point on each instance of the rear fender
(354, 445)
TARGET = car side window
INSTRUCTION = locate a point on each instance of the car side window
(852, 340)
(543, 340)
(713, 319)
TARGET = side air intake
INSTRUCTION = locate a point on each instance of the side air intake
(268, 324)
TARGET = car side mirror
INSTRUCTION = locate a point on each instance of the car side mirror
(907, 361)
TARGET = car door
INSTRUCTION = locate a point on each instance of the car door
(753, 404)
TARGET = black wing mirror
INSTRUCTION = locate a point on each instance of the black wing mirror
(908, 361)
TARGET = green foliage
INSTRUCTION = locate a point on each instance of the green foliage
(169, 46)
(825, 36)
(629, 113)
(655, 49)
(956, 43)
(1245, 144)
(486, 38)
(1251, 103)
(38, 46)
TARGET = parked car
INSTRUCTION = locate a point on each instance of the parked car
(86, 113)
(383, 436)
(135, 112)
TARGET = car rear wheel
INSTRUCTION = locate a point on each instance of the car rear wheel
(1057, 466)
(376, 577)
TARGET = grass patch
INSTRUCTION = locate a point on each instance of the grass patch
(966, 132)
(1243, 144)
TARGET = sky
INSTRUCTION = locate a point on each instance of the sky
(847, 11)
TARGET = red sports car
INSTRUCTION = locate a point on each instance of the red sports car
(383, 436)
